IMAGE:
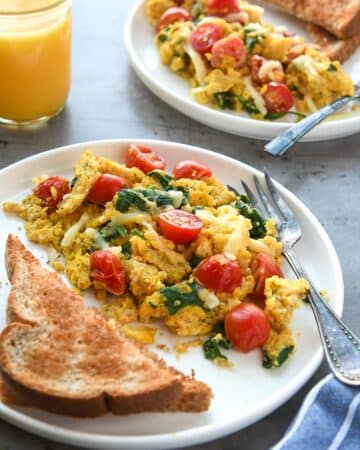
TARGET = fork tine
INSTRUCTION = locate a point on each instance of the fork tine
(271, 212)
(253, 200)
(283, 208)
(232, 189)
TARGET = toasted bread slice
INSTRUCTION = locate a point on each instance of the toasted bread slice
(339, 17)
(336, 49)
(59, 355)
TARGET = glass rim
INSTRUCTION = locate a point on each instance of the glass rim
(33, 11)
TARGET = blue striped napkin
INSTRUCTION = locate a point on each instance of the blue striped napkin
(329, 419)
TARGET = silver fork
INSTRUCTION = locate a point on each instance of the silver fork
(281, 144)
(341, 346)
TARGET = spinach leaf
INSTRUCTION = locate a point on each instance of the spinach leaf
(126, 249)
(163, 178)
(332, 68)
(176, 299)
(275, 362)
(162, 37)
(140, 198)
(274, 116)
(108, 232)
(258, 229)
(130, 198)
(225, 100)
(194, 260)
(253, 36)
(136, 232)
(212, 346)
(72, 182)
(249, 105)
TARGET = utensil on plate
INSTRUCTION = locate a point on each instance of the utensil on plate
(341, 346)
(281, 144)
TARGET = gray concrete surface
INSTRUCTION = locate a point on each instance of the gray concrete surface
(108, 101)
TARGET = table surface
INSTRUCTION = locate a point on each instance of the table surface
(108, 101)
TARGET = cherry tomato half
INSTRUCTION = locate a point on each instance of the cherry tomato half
(107, 268)
(144, 158)
(247, 327)
(204, 36)
(51, 191)
(179, 226)
(191, 169)
(232, 47)
(105, 187)
(264, 266)
(278, 97)
(172, 15)
(219, 273)
(222, 7)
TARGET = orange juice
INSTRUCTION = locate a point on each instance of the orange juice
(34, 59)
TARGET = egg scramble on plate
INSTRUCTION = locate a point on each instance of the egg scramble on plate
(236, 62)
(182, 249)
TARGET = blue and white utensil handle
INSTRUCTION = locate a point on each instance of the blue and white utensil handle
(341, 346)
(281, 144)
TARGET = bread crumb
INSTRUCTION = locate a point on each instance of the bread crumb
(142, 334)
(183, 347)
(163, 347)
(224, 363)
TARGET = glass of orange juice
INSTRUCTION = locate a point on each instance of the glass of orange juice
(35, 59)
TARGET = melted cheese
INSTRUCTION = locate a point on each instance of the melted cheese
(210, 300)
(269, 66)
(198, 63)
(72, 232)
(258, 100)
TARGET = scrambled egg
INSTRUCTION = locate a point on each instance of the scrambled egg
(160, 281)
(312, 79)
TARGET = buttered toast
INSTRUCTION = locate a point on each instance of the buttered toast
(60, 355)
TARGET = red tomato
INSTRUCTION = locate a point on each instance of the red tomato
(204, 36)
(264, 266)
(51, 191)
(247, 327)
(228, 47)
(172, 15)
(107, 268)
(278, 97)
(222, 7)
(179, 226)
(144, 158)
(191, 169)
(219, 273)
(105, 187)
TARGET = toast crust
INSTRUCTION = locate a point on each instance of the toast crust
(339, 17)
(65, 340)
(336, 49)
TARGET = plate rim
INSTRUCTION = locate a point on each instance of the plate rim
(203, 433)
(274, 128)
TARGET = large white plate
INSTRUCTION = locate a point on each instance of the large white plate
(139, 39)
(242, 395)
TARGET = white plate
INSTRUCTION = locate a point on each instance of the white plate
(243, 395)
(139, 39)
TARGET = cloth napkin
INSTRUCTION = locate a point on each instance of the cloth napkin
(329, 419)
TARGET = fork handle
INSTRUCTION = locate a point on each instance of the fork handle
(341, 346)
(281, 144)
